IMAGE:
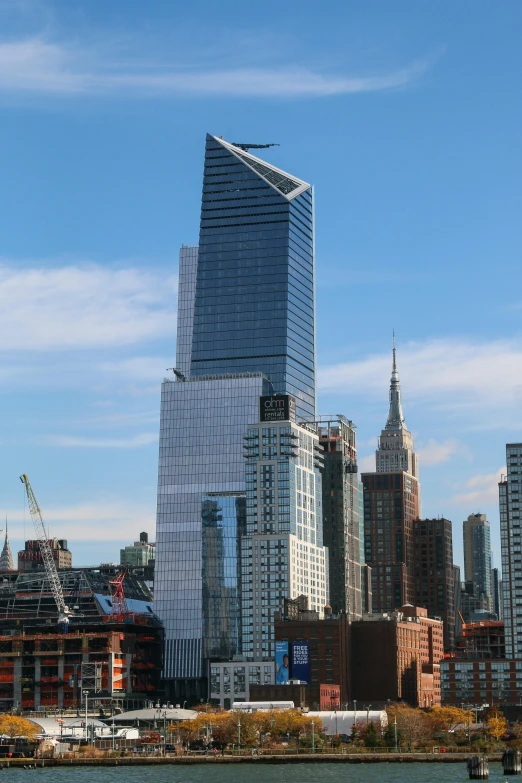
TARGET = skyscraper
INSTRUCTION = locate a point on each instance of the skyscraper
(391, 503)
(341, 519)
(245, 329)
(254, 288)
(510, 492)
(495, 590)
(434, 572)
(477, 554)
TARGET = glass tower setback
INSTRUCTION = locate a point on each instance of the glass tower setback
(254, 290)
(223, 519)
(202, 426)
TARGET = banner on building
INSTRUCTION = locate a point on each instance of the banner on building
(282, 663)
(301, 661)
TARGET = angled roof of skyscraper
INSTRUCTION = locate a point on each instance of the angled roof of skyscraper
(286, 184)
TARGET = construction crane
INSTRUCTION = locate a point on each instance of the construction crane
(47, 555)
(253, 146)
(120, 609)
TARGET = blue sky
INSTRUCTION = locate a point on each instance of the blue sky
(405, 116)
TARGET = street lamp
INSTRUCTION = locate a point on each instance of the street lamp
(313, 735)
(395, 727)
(368, 714)
(238, 732)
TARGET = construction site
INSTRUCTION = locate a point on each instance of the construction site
(76, 636)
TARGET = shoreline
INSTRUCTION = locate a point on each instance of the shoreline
(305, 758)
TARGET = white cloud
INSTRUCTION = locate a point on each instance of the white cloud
(142, 439)
(451, 373)
(367, 464)
(434, 452)
(37, 65)
(105, 520)
(481, 490)
(88, 306)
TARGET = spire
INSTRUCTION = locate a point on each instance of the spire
(6, 558)
(395, 417)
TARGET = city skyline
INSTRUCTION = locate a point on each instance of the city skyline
(415, 186)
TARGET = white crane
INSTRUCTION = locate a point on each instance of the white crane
(47, 555)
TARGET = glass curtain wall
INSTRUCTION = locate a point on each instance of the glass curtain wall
(254, 297)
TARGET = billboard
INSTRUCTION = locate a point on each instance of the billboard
(301, 661)
(277, 407)
(282, 663)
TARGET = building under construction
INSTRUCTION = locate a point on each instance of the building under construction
(111, 646)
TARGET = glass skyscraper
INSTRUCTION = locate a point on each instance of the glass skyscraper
(254, 290)
(245, 329)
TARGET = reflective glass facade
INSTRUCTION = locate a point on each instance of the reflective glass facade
(203, 423)
(254, 294)
(222, 524)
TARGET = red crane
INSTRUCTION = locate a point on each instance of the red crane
(120, 610)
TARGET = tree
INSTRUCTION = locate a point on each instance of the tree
(414, 725)
(13, 726)
(497, 726)
(370, 739)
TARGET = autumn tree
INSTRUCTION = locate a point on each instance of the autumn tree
(414, 725)
(497, 725)
(12, 726)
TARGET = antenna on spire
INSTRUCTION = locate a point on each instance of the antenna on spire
(393, 347)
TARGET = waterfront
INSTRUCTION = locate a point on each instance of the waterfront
(296, 773)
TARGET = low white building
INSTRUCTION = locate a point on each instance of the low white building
(342, 721)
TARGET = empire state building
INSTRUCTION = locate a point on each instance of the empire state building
(391, 504)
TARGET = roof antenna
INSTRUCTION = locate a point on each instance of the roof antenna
(393, 347)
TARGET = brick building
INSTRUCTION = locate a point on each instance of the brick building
(433, 572)
(481, 681)
(30, 558)
(329, 641)
(396, 656)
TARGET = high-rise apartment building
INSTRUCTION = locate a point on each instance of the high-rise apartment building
(341, 514)
(433, 572)
(282, 552)
(495, 590)
(477, 553)
(391, 503)
(510, 492)
(245, 329)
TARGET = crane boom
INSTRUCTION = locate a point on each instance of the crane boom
(45, 549)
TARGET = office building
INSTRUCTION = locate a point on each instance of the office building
(245, 330)
(510, 492)
(282, 552)
(254, 287)
(141, 553)
(477, 554)
(30, 558)
(396, 657)
(341, 518)
(391, 504)
(433, 572)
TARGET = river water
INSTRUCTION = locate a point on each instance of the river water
(257, 773)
